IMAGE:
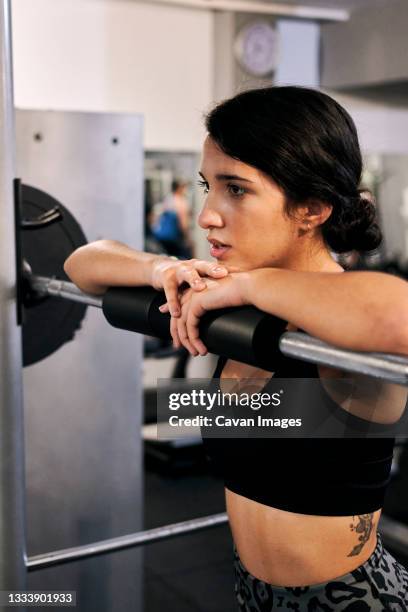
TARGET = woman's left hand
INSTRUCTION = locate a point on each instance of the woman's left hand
(222, 293)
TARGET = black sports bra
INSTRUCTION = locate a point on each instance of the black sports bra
(319, 476)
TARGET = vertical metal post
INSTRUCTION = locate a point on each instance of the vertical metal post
(12, 483)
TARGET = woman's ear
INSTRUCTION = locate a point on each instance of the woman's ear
(312, 214)
(316, 213)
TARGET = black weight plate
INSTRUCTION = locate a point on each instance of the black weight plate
(52, 322)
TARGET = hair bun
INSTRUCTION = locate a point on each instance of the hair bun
(354, 226)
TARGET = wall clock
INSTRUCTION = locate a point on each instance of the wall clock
(256, 48)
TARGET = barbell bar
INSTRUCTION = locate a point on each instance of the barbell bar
(236, 333)
(386, 366)
(44, 286)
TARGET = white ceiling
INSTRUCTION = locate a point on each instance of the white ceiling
(338, 4)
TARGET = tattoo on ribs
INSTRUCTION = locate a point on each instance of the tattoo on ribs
(363, 528)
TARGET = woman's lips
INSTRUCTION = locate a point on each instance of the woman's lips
(218, 251)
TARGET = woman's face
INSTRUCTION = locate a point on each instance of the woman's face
(244, 210)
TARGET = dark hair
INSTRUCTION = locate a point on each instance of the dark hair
(308, 144)
(176, 184)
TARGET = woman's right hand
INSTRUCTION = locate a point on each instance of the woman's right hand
(169, 274)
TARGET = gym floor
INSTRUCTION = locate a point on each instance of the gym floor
(193, 573)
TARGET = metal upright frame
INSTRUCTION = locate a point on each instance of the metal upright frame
(12, 476)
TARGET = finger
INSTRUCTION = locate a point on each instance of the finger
(170, 287)
(164, 308)
(183, 336)
(186, 297)
(209, 268)
(174, 333)
(188, 274)
(193, 331)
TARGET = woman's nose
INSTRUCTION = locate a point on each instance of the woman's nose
(209, 217)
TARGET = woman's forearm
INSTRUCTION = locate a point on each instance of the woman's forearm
(361, 311)
(106, 263)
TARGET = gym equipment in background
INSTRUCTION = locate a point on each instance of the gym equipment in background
(83, 402)
(50, 233)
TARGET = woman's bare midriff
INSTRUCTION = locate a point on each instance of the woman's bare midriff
(290, 549)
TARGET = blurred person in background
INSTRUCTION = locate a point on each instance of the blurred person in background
(170, 222)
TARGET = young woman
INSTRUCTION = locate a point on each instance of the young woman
(281, 170)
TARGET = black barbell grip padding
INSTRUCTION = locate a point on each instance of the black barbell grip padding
(137, 309)
(244, 333)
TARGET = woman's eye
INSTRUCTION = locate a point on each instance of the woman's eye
(235, 190)
(204, 186)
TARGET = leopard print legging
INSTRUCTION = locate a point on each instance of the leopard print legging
(380, 584)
